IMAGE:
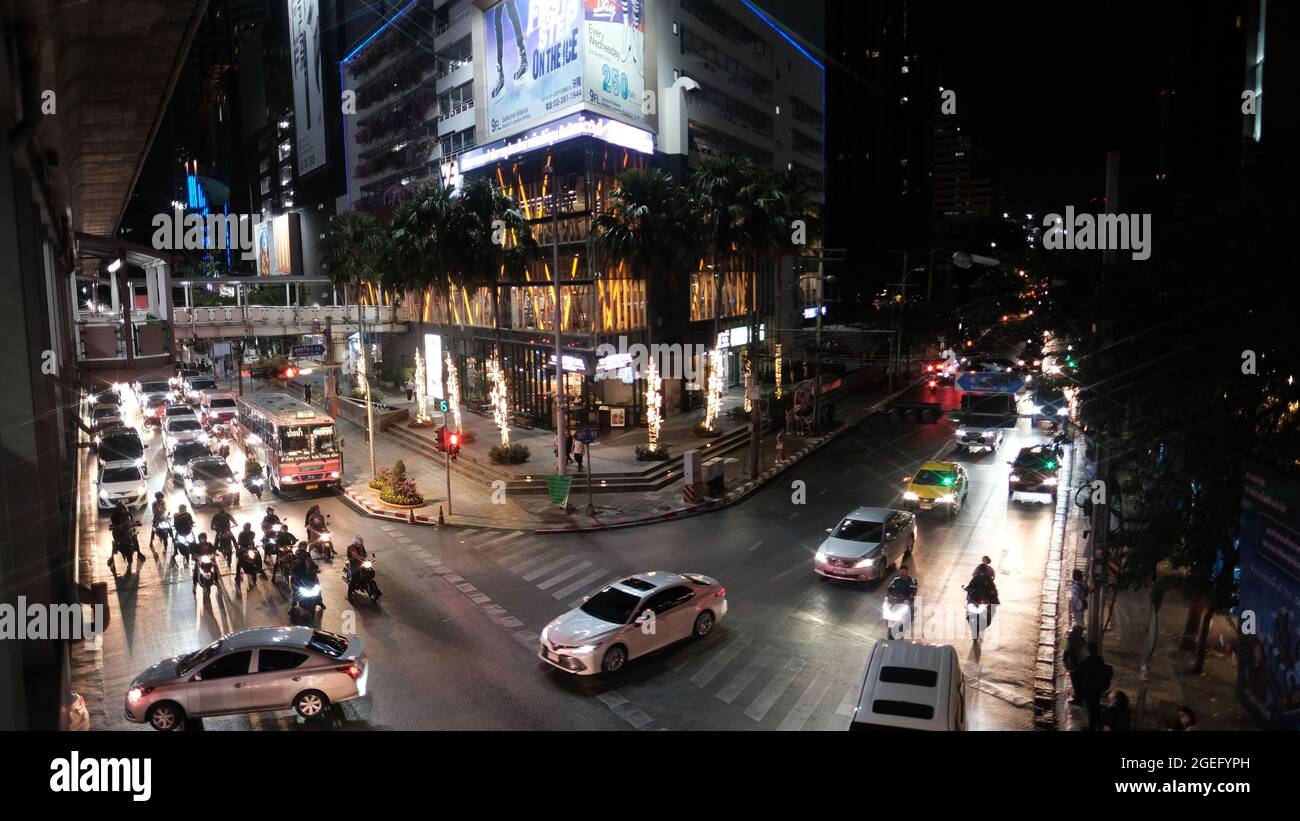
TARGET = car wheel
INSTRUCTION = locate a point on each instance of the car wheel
(703, 624)
(310, 704)
(615, 658)
(166, 716)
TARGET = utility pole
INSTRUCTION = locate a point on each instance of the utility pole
(370, 408)
(447, 455)
(331, 377)
(561, 456)
(586, 452)
(752, 382)
(817, 356)
(1100, 554)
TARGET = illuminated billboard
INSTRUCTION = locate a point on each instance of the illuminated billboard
(546, 59)
(278, 246)
(308, 91)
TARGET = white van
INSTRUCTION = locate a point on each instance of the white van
(911, 685)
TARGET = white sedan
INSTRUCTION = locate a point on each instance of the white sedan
(121, 481)
(178, 429)
(632, 617)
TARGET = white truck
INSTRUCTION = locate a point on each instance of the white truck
(983, 420)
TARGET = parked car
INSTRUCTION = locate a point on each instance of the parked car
(121, 481)
(264, 668)
(911, 685)
(865, 544)
(209, 480)
(630, 618)
(78, 714)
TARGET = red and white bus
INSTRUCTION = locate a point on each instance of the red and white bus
(296, 444)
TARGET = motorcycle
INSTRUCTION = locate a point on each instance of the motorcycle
(225, 542)
(250, 563)
(978, 616)
(270, 538)
(162, 528)
(127, 542)
(221, 435)
(306, 594)
(183, 544)
(322, 543)
(363, 581)
(207, 573)
(283, 563)
(897, 613)
(254, 484)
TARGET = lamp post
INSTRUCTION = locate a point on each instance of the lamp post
(561, 455)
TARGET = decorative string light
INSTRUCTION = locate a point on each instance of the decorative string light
(779, 392)
(453, 393)
(654, 399)
(749, 377)
(715, 389)
(498, 396)
(421, 398)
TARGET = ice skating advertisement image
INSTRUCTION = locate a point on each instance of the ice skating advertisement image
(614, 62)
(1268, 663)
(533, 60)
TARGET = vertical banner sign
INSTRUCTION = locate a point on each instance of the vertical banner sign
(1268, 661)
(308, 91)
(532, 62)
(262, 239)
(613, 64)
(433, 366)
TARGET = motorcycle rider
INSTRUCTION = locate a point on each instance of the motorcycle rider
(356, 555)
(182, 525)
(203, 547)
(248, 541)
(159, 508)
(223, 525)
(904, 585)
(123, 535)
(304, 569)
(987, 564)
(981, 589)
(269, 520)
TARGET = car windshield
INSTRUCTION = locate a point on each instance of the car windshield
(611, 605)
(179, 410)
(933, 477)
(1036, 461)
(1045, 395)
(184, 453)
(121, 446)
(155, 400)
(122, 474)
(221, 403)
(307, 440)
(858, 530)
(182, 424)
(331, 644)
(213, 470)
(101, 413)
(196, 658)
(202, 385)
(154, 387)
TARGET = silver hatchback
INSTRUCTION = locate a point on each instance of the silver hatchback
(264, 668)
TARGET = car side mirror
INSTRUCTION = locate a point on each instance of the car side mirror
(907, 479)
(196, 677)
(828, 530)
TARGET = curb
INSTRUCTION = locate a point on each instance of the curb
(363, 506)
(1047, 663)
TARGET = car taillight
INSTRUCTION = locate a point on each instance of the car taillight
(352, 670)
(721, 593)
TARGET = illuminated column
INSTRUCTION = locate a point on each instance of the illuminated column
(453, 393)
(421, 395)
(715, 389)
(498, 396)
(778, 371)
(654, 399)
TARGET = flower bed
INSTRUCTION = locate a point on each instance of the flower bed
(511, 454)
(652, 453)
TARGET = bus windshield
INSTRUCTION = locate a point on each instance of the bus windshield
(306, 440)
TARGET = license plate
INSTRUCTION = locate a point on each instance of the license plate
(312, 487)
(926, 505)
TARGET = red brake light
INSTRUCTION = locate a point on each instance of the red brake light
(352, 670)
(722, 593)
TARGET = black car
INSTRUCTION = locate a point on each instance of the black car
(1034, 471)
(184, 453)
(122, 444)
(1049, 403)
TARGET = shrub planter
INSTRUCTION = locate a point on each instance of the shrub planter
(701, 431)
(646, 453)
(512, 454)
(421, 423)
(396, 506)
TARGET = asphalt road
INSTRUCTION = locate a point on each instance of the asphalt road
(453, 641)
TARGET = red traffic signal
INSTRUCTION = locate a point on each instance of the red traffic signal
(455, 439)
(290, 372)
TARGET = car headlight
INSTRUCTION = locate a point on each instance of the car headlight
(866, 562)
(988, 434)
(1063, 411)
(587, 648)
(136, 693)
(143, 490)
(961, 431)
(1050, 481)
(910, 496)
(334, 474)
(103, 494)
(204, 438)
(948, 498)
(1014, 478)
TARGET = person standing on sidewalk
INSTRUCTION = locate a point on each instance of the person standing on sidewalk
(780, 446)
(1078, 597)
(1186, 719)
(1094, 676)
(1073, 657)
(306, 393)
(410, 390)
(576, 450)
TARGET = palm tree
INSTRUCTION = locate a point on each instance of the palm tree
(416, 248)
(352, 249)
(490, 235)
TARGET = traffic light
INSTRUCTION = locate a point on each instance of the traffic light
(453, 445)
(290, 372)
(441, 439)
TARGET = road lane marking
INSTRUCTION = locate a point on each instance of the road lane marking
(758, 708)
(720, 661)
(568, 574)
(519, 568)
(756, 545)
(569, 589)
(527, 551)
(501, 539)
(807, 703)
(747, 675)
(550, 568)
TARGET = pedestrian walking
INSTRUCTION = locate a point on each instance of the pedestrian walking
(306, 393)
(1073, 657)
(1119, 719)
(410, 390)
(568, 448)
(1078, 597)
(1094, 678)
(780, 446)
(1186, 719)
(576, 450)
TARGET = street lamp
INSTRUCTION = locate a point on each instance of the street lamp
(561, 455)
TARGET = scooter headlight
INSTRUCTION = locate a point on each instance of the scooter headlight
(961, 431)
(1062, 411)
(309, 591)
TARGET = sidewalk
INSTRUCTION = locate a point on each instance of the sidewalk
(473, 502)
(1212, 694)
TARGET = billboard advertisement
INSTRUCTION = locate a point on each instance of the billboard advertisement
(278, 246)
(262, 243)
(533, 61)
(613, 60)
(1268, 656)
(433, 366)
(308, 83)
